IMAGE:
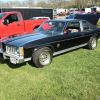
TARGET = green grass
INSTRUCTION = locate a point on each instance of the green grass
(71, 76)
(98, 24)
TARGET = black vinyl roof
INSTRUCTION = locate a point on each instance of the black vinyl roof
(64, 20)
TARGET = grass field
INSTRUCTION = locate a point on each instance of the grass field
(98, 23)
(71, 76)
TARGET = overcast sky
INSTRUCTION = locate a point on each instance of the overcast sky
(10, 0)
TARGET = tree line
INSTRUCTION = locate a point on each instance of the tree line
(52, 3)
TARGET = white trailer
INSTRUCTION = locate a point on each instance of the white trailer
(60, 10)
(88, 10)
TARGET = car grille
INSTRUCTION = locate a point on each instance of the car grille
(10, 49)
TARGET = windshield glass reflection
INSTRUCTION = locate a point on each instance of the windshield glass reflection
(51, 27)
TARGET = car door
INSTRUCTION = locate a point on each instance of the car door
(74, 38)
(15, 25)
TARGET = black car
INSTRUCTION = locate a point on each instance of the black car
(52, 38)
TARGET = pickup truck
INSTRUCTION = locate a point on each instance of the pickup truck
(12, 23)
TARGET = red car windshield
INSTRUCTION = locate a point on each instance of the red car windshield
(2, 15)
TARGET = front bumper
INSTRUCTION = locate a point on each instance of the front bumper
(16, 59)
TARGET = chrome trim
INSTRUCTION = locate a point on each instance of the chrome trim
(1, 51)
(81, 26)
(27, 59)
(19, 59)
(72, 48)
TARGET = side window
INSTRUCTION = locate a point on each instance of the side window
(72, 27)
(19, 17)
(85, 26)
(12, 18)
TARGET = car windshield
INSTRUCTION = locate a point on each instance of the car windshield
(51, 27)
(33, 18)
(2, 15)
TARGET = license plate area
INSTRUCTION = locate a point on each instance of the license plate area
(13, 60)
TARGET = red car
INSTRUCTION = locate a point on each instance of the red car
(80, 12)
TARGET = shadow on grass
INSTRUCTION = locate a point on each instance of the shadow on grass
(13, 66)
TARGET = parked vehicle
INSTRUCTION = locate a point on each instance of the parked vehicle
(13, 23)
(62, 14)
(36, 18)
(53, 37)
(81, 12)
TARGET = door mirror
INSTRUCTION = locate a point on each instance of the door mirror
(5, 22)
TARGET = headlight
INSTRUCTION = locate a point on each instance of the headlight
(15, 50)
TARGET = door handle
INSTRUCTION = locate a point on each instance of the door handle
(18, 24)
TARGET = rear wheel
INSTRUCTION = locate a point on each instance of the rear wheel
(42, 57)
(92, 44)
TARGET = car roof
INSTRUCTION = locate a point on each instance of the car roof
(65, 20)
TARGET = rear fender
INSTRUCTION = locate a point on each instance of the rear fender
(36, 25)
(95, 35)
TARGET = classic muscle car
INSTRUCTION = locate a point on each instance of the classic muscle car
(53, 37)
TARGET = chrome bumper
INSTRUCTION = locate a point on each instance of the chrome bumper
(19, 59)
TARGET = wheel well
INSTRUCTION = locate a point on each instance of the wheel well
(95, 36)
(36, 27)
(43, 47)
(51, 48)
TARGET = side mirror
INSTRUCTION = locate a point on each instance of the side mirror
(68, 31)
(5, 22)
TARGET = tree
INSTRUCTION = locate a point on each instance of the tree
(30, 3)
(42, 4)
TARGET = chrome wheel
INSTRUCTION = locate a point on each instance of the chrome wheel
(94, 43)
(45, 58)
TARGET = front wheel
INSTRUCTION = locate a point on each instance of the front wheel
(92, 44)
(42, 57)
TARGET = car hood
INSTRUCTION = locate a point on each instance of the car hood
(22, 40)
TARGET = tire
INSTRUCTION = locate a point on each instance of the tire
(42, 57)
(92, 44)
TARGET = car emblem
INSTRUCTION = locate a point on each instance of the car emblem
(58, 45)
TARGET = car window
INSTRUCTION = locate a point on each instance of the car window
(85, 26)
(12, 18)
(73, 27)
(52, 27)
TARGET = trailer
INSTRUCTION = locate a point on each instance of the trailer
(28, 13)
